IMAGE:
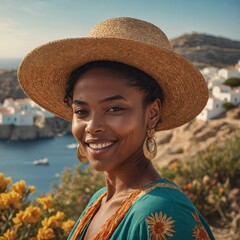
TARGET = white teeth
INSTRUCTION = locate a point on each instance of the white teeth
(99, 145)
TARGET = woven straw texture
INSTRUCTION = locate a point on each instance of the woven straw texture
(43, 73)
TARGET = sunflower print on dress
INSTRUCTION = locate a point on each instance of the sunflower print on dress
(199, 232)
(160, 226)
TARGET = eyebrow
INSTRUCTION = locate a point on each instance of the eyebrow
(108, 99)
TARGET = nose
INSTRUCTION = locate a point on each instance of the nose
(95, 124)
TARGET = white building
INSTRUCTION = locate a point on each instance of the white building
(9, 102)
(229, 72)
(226, 94)
(6, 116)
(212, 110)
(216, 80)
(21, 112)
(24, 119)
(23, 104)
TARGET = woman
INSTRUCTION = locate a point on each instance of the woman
(120, 85)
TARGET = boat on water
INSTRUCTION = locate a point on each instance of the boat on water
(72, 145)
(40, 162)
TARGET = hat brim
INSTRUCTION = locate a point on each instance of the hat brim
(44, 72)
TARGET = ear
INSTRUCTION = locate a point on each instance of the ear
(154, 110)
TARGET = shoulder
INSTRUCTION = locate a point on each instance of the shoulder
(164, 210)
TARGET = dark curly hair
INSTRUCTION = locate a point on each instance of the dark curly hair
(136, 78)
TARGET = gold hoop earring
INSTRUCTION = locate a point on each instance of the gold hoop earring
(81, 154)
(150, 146)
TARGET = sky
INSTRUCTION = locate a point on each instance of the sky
(26, 24)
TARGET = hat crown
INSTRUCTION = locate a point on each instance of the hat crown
(132, 29)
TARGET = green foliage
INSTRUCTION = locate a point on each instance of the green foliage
(228, 105)
(76, 189)
(209, 176)
(232, 82)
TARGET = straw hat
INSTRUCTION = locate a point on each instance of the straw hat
(44, 72)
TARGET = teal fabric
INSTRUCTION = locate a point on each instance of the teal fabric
(169, 201)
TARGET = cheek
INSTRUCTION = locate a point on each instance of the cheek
(77, 130)
(130, 124)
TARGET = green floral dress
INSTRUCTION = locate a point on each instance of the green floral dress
(158, 211)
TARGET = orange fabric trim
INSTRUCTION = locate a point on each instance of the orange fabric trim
(111, 224)
(91, 211)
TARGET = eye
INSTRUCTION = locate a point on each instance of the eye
(80, 112)
(115, 109)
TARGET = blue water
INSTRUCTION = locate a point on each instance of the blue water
(9, 63)
(16, 160)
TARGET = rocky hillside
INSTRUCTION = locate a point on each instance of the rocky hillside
(47, 129)
(206, 50)
(9, 86)
(185, 141)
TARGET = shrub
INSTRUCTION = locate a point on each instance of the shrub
(208, 177)
(232, 82)
(76, 189)
(228, 105)
(22, 219)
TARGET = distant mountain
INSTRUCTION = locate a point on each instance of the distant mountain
(206, 50)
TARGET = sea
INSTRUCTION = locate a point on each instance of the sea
(16, 158)
(9, 63)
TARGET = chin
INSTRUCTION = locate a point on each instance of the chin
(99, 166)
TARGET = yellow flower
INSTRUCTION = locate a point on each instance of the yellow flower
(32, 189)
(4, 182)
(45, 233)
(53, 220)
(68, 225)
(46, 201)
(32, 214)
(14, 199)
(8, 235)
(19, 187)
(3, 201)
(18, 220)
(46, 222)
(60, 215)
(9, 199)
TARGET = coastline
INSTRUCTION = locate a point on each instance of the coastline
(51, 128)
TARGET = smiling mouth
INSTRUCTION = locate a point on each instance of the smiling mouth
(99, 146)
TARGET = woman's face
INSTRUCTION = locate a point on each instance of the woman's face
(108, 119)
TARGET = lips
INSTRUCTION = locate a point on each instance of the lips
(98, 149)
(98, 146)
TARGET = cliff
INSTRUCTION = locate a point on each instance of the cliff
(195, 136)
(50, 128)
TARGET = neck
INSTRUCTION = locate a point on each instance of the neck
(135, 172)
